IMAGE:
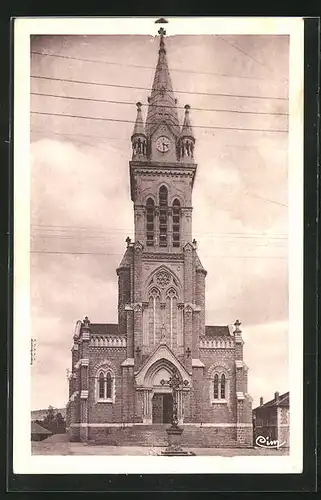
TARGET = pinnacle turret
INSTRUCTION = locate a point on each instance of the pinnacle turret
(187, 130)
(187, 140)
(139, 140)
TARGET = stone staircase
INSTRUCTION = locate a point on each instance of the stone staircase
(155, 435)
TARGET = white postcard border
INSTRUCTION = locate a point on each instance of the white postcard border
(23, 461)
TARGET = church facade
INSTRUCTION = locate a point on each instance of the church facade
(118, 370)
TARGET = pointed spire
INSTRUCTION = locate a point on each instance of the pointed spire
(139, 128)
(187, 140)
(139, 140)
(187, 130)
(162, 102)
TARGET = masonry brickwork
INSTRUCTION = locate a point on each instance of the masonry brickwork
(118, 388)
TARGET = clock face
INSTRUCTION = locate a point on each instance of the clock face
(163, 143)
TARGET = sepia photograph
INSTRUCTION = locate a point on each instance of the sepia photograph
(163, 295)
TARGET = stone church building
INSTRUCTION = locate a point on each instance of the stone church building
(116, 386)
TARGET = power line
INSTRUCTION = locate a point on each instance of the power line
(245, 53)
(107, 231)
(66, 226)
(77, 135)
(154, 105)
(152, 67)
(131, 121)
(120, 254)
(267, 199)
(37, 129)
(253, 241)
(93, 146)
(99, 84)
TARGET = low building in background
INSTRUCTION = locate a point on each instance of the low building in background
(39, 433)
(271, 420)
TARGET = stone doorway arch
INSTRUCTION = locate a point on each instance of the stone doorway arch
(155, 393)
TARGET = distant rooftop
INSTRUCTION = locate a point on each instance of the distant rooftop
(283, 400)
(38, 429)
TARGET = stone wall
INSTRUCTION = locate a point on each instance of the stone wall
(106, 411)
(155, 435)
(218, 412)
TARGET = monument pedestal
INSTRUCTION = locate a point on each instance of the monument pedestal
(174, 448)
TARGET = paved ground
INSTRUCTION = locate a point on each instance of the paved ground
(58, 445)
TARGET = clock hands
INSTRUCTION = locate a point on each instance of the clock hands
(163, 144)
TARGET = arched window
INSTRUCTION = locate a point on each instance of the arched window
(223, 382)
(150, 229)
(154, 319)
(163, 216)
(105, 390)
(171, 315)
(219, 387)
(176, 223)
(108, 386)
(216, 391)
(101, 386)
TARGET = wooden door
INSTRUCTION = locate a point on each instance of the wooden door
(157, 405)
(167, 408)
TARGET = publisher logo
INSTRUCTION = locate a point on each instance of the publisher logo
(266, 442)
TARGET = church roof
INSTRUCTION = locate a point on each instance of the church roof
(198, 263)
(162, 103)
(217, 331)
(283, 400)
(38, 429)
(104, 328)
(112, 329)
(127, 258)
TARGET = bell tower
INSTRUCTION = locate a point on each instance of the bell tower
(161, 279)
(162, 169)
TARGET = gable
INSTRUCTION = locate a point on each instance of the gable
(162, 358)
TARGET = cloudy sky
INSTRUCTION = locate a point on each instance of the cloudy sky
(81, 210)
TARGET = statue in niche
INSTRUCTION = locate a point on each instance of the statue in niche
(187, 148)
(163, 333)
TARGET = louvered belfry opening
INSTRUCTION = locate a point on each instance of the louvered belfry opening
(163, 216)
(176, 223)
(150, 217)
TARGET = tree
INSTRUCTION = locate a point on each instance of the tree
(54, 421)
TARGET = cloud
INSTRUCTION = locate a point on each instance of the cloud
(253, 290)
(266, 353)
(81, 206)
(70, 185)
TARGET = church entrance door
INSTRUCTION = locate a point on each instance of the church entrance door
(162, 405)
